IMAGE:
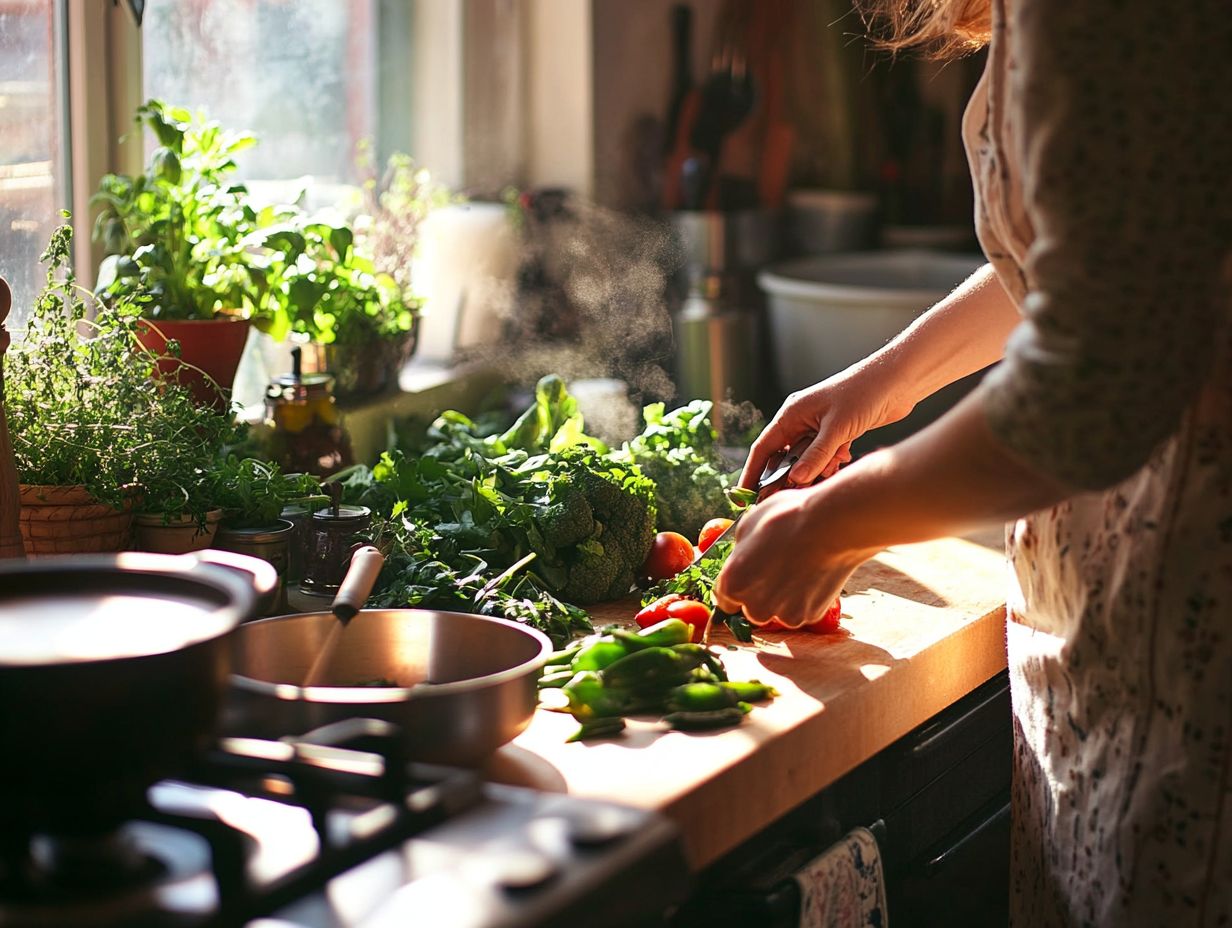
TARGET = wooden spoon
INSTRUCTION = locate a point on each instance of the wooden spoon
(366, 564)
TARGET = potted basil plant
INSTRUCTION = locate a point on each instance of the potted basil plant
(174, 242)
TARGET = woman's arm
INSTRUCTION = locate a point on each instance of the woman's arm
(962, 334)
(794, 551)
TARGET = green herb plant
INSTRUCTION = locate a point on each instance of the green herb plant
(84, 408)
(252, 493)
(175, 233)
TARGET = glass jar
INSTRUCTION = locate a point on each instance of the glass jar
(304, 431)
(335, 533)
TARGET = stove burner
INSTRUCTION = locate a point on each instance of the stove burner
(309, 833)
(107, 879)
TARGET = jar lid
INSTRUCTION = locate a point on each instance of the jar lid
(346, 515)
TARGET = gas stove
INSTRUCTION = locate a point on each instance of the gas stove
(336, 829)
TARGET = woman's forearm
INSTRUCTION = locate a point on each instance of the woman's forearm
(962, 334)
(952, 477)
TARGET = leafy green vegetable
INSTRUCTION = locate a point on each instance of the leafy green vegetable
(679, 451)
(475, 502)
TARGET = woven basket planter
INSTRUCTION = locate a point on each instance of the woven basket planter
(68, 520)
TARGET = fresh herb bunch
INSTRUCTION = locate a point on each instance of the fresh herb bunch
(175, 234)
(473, 504)
(679, 451)
(252, 493)
(85, 409)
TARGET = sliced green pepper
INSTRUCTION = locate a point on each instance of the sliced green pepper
(599, 728)
(701, 697)
(660, 635)
(750, 690)
(653, 668)
(589, 698)
(556, 679)
(598, 655)
(708, 719)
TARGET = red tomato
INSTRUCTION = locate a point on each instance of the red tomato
(827, 623)
(693, 613)
(671, 554)
(711, 531)
(656, 612)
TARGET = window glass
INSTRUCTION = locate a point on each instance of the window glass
(299, 74)
(32, 181)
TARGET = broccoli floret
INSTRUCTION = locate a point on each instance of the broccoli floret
(614, 502)
(568, 520)
(591, 575)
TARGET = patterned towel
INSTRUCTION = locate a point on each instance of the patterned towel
(844, 887)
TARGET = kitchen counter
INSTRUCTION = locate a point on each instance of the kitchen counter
(925, 626)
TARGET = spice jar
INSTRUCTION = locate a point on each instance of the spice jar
(335, 533)
(305, 434)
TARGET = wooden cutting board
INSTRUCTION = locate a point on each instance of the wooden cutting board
(925, 626)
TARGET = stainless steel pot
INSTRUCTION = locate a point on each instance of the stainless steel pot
(466, 683)
(112, 673)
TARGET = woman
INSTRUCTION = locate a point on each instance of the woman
(1100, 141)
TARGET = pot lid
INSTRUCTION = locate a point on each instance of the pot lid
(84, 609)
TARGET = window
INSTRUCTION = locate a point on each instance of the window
(305, 76)
(33, 142)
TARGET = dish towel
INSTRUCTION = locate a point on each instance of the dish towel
(844, 887)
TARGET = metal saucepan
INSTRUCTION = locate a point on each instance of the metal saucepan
(112, 674)
(465, 684)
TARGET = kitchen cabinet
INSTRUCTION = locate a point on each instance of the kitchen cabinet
(937, 801)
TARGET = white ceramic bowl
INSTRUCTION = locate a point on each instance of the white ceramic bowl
(829, 311)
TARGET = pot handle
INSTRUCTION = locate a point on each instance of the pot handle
(264, 578)
(366, 564)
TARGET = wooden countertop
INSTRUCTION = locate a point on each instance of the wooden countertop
(926, 626)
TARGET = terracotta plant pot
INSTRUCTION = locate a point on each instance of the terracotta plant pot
(207, 346)
(175, 536)
(68, 520)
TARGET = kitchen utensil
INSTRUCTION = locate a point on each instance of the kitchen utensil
(682, 69)
(727, 96)
(466, 683)
(11, 544)
(353, 592)
(112, 672)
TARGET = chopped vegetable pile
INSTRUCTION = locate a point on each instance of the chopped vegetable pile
(656, 671)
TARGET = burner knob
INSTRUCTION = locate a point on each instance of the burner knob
(518, 869)
(596, 827)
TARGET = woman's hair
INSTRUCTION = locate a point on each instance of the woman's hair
(941, 28)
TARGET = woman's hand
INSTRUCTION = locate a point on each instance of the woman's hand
(829, 416)
(786, 563)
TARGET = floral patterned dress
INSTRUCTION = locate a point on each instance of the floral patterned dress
(1100, 140)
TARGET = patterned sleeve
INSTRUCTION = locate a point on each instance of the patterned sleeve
(1125, 141)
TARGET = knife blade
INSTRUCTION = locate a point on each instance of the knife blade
(775, 472)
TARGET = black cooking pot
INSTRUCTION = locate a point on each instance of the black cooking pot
(112, 673)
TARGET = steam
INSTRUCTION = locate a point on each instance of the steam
(592, 304)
